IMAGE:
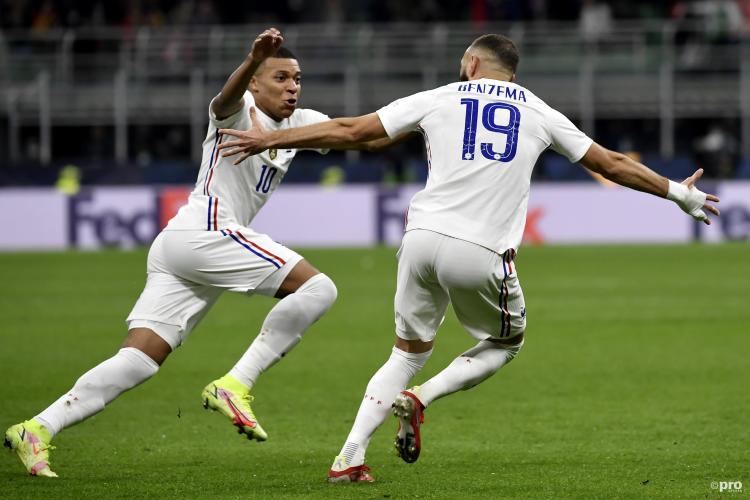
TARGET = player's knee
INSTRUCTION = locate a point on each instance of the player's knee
(318, 294)
(329, 291)
(148, 342)
(326, 290)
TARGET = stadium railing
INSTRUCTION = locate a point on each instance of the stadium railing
(114, 77)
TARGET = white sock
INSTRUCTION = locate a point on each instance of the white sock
(382, 389)
(469, 369)
(97, 387)
(284, 326)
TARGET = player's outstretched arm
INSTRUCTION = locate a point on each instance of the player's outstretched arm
(625, 171)
(340, 133)
(229, 100)
(383, 143)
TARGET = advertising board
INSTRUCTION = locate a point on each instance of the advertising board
(358, 215)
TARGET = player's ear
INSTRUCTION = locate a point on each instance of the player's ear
(253, 87)
(473, 66)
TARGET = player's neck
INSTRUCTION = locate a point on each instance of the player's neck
(268, 113)
(492, 75)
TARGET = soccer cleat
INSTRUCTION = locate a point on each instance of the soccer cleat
(410, 412)
(339, 473)
(233, 399)
(30, 440)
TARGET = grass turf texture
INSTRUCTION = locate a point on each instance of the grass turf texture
(632, 383)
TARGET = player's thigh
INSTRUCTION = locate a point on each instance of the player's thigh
(484, 289)
(171, 306)
(236, 260)
(420, 301)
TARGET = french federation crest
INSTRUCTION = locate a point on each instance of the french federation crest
(272, 154)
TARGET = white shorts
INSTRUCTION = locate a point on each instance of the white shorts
(189, 270)
(435, 269)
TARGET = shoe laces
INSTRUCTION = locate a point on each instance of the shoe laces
(246, 400)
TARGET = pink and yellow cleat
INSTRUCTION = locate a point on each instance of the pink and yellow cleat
(230, 397)
(30, 440)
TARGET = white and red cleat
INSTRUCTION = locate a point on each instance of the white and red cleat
(410, 413)
(354, 474)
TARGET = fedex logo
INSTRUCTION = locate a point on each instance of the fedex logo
(121, 217)
(112, 217)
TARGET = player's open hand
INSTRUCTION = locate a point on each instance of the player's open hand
(266, 44)
(247, 142)
(694, 201)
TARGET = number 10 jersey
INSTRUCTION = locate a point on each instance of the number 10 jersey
(483, 139)
(228, 196)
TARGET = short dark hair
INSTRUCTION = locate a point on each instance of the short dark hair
(284, 53)
(502, 47)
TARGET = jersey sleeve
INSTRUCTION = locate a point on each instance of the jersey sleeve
(231, 120)
(566, 138)
(403, 115)
(304, 117)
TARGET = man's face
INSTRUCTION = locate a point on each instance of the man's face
(276, 87)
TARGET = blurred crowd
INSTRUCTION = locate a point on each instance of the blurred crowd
(40, 15)
(712, 143)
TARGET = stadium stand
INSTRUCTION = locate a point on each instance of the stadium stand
(97, 83)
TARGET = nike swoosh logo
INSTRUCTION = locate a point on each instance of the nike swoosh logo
(241, 415)
(34, 447)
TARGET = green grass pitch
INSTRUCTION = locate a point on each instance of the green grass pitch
(633, 383)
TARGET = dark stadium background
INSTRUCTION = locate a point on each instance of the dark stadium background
(666, 80)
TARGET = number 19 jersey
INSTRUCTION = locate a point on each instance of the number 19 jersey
(483, 138)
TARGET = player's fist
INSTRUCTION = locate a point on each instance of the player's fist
(266, 44)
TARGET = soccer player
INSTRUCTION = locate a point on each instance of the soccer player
(207, 248)
(483, 136)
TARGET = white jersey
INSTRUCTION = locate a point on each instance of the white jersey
(483, 138)
(227, 195)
